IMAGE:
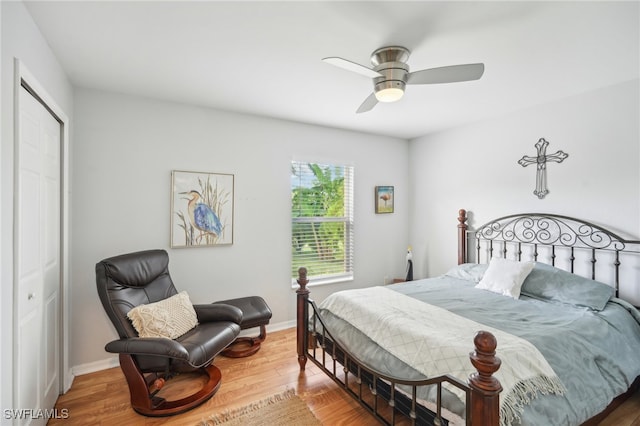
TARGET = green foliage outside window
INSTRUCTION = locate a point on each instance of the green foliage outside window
(320, 237)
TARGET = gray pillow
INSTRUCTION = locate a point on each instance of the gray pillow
(546, 282)
(468, 271)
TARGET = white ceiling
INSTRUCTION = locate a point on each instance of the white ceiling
(264, 57)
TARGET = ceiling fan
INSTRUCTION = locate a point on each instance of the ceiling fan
(390, 74)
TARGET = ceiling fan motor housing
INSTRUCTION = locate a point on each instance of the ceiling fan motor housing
(394, 75)
(390, 62)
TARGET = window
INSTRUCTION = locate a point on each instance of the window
(322, 221)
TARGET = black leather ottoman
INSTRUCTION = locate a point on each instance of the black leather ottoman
(255, 313)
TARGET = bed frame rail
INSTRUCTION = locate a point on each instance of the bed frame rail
(393, 400)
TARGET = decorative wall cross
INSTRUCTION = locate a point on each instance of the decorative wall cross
(541, 160)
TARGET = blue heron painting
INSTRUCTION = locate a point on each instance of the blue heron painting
(203, 206)
(202, 217)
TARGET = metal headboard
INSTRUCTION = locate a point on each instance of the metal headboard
(562, 241)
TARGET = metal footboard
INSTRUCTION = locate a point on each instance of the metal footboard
(392, 400)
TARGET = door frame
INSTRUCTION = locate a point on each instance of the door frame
(23, 77)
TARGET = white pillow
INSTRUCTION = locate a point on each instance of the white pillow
(504, 276)
(170, 318)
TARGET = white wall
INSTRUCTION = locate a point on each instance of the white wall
(126, 148)
(20, 39)
(476, 168)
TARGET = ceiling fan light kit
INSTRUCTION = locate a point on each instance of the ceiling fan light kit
(389, 94)
(391, 74)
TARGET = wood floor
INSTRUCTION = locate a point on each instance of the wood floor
(102, 398)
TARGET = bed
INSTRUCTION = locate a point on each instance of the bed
(531, 327)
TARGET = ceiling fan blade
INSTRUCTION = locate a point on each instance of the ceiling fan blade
(368, 104)
(450, 74)
(352, 66)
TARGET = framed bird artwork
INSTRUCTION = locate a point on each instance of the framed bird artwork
(201, 209)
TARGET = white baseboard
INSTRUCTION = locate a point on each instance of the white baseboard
(68, 381)
(92, 367)
(282, 325)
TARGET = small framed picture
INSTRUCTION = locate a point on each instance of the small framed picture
(384, 199)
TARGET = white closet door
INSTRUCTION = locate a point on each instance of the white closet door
(38, 230)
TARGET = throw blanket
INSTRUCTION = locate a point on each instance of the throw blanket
(435, 341)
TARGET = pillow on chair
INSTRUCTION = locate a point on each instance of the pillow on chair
(170, 318)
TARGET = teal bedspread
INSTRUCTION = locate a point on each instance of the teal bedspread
(596, 354)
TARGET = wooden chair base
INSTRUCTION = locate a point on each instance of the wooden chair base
(245, 346)
(144, 402)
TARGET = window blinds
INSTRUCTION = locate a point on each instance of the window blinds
(322, 220)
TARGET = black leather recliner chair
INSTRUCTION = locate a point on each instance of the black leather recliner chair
(129, 280)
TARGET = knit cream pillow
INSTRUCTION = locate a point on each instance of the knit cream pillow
(170, 318)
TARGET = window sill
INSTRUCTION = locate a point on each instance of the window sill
(314, 282)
